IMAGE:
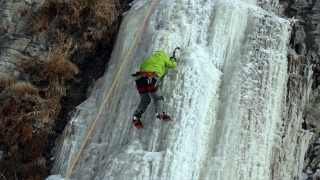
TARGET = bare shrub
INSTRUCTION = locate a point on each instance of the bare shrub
(100, 15)
(55, 90)
(18, 133)
(98, 35)
(32, 64)
(23, 134)
(17, 109)
(39, 145)
(7, 80)
(27, 119)
(39, 23)
(23, 89)
(37, 165)
(58, 68)
(26, 130)
(103, 12)
(87, 47)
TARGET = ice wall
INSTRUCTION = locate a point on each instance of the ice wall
(227, 100)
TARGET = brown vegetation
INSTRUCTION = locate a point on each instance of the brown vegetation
(90, 21)
(28, 116)
(58, 68)
(6, 80)
(16, 131)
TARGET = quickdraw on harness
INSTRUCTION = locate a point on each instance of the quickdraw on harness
(148, 76)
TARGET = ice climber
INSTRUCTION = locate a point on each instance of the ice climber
(148, 81)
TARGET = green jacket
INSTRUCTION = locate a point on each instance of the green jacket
(157, 63)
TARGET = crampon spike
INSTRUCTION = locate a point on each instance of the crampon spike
(166, 118)
(138, 124)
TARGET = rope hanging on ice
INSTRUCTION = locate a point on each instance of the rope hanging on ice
(111, 89)
(171, 23)
(117, 79)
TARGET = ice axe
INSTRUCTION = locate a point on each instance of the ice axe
(174, 52)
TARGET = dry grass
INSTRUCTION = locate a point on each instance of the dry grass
(74, 13)
(33, 64)
(23, 90)
(22, 134)
(87, 47)
(100, 15)
(55, 90)
(24, 96)
(37, 149)
(18, 132)
(102, 12)
(25, 132)
(25, 141)
(58, 68)
(27, 118)
(7, 80)
(38, 165)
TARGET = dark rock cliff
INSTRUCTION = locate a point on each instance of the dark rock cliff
(51, 51)
(305, 41)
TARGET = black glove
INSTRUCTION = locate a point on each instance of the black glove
(172, 57)
(136, 74)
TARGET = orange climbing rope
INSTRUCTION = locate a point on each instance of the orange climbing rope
(117, 79)
(111, 89)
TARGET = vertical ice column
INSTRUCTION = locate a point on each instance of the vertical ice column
(253, 125)
(234, 132)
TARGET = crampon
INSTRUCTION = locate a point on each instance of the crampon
(163, 116)
(137, 123)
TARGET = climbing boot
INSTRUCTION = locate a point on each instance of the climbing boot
(138, 124)
(163, 116)
(136, 119)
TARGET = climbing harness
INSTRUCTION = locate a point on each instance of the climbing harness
(149, 76)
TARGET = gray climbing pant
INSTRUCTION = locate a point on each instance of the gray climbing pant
(157, 98)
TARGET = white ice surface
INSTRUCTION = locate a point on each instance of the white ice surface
(226, 99)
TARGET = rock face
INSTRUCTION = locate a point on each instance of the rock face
(305, 42)
(50, 53)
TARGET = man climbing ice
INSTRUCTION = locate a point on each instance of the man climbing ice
(148, 81)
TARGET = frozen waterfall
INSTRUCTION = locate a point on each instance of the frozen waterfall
(227, 99)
